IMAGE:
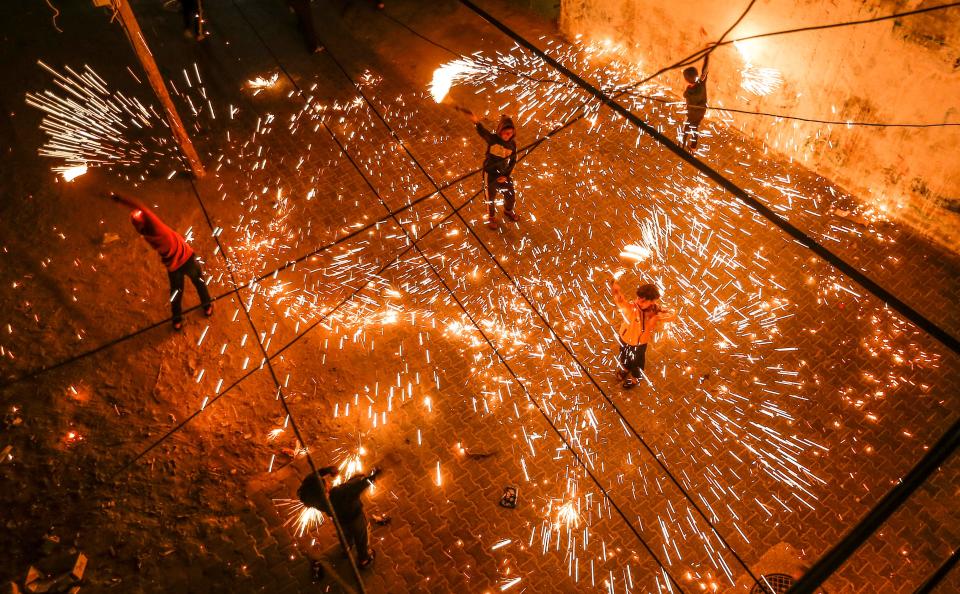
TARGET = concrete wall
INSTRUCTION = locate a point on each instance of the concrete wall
(905, 70)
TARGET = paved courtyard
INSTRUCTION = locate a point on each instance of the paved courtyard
(343, 202)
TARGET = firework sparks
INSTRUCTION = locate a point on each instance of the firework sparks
(449, 74)
(760, 81)
(71, 173)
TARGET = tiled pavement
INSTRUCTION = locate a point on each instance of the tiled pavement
(736, 420)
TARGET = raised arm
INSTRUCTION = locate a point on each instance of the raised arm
(706, 64)
(618, 295)
(485, 134)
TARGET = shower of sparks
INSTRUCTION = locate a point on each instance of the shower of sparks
(760, 81)
(71, 173)
(733, 372)
(261, 82)
(450, 74)
(88, 125)
(302, 519)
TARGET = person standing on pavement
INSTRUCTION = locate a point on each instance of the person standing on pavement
(641, 318)
(175, 253)
(193, 19)
(345, 499)
(498, 163)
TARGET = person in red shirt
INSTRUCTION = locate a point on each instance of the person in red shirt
(175, 253)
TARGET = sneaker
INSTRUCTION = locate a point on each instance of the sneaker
(492, 222)
(208, 310)
(178, 325)
(621, 375)
(366, 561)
(630, 384)
(511, 215)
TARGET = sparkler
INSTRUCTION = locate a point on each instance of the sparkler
(71, 173)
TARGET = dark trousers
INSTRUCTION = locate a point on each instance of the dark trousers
(191, 268)
(691, 127)
(191, 15)
(304, 13)
(505, 188)
(632, 359)
(356, 532)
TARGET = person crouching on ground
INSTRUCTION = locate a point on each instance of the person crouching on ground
(498, 164)
(347, 505)
(175, 253)
(641, 318)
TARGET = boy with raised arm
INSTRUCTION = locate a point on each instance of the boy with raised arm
(498, 164)
(696, 96)
(641, 318)
(175, 253)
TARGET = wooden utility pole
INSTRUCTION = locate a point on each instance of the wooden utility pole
(135, 35)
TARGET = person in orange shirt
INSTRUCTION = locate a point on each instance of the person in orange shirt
(641, 318)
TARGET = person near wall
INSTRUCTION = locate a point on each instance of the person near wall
(696, 97)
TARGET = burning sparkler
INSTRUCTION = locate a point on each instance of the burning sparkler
(450, 74)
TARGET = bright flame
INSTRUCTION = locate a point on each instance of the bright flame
(446, 75)
(300, 517)
(71, 173)
(350, 467)
(760, 81)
